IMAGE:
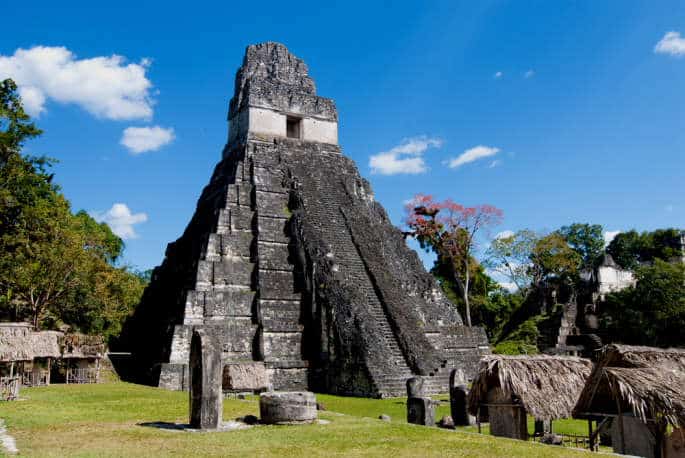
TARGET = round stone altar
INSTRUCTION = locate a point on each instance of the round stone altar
(287, 407)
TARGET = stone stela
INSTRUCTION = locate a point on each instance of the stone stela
(291, 265)
(206, 398)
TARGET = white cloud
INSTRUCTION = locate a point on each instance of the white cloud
(141, 139)
(672, 43)
(529, 74)
(495, 163)
(498, 75)
(405, 158)
(105, 86)
(609, 236)
(121, 220)
(471, 155)
(504, 234)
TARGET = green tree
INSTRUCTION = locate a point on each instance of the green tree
(55, 267)
(15, 125)
(450, 230)
(587, 240)
(653, 311)
(630, 249)
(553, 259)
(510, 256)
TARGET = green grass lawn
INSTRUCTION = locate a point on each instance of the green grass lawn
(104, 420)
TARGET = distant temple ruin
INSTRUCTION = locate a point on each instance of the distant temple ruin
(292, 265)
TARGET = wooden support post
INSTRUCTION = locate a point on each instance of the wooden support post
(478, 419)
(622, 442)
(589, 434)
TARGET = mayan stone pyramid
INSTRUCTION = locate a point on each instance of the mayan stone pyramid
(292, 265)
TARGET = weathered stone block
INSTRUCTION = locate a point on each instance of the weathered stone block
(267, 179)
(274, 284)
(415, 388)
(294, 378)
(237, 244)
(206, 401)
(459, 405)
(272, 229)
(174, 377)
(234, 271)
(278, 407)
(282, 345)
(274, 256)
(272, 204)
(241, 218)
(231, 302)
(245, 377)
(421, 411)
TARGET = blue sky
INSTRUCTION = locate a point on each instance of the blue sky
(582, 116)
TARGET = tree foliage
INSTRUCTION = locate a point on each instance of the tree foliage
(510, 256)
(55, 267)
(630, 249)
(653, 311)
(553, 259)
(450, 230)
(587, 240)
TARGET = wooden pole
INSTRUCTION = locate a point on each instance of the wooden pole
(591, 439)
(620, 425)
(478, 419)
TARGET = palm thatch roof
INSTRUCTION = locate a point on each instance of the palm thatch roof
(546, 386)
(75, 345)
(649, 382)
(19, 343)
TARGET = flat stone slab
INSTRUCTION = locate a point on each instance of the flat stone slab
(287, 407)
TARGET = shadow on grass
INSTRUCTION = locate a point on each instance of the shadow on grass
(166, 425)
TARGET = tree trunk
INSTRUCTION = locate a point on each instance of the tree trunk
(465, 290)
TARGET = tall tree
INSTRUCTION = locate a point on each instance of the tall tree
(450, 230)
(553, 259)
(587, 240)
(510, 256)
(653, 311)
(630, 249)
(55, 267)
(15, 125)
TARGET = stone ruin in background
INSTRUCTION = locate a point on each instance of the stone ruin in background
(290, 264)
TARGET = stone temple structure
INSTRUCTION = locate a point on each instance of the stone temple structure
(292, 265)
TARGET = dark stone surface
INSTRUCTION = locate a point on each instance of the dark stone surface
(206, 399)
(415, 387)
(459, 405)
(279, 407)
(289, 260)
(421, 411)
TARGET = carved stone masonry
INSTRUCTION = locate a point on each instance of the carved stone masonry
(289, 262)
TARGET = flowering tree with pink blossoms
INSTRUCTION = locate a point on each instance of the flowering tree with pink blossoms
(450, 229)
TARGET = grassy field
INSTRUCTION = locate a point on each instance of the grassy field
(106, 420)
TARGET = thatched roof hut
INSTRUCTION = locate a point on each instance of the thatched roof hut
(649, 382)
(18, 342)
(82, 346)
(547, 387)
